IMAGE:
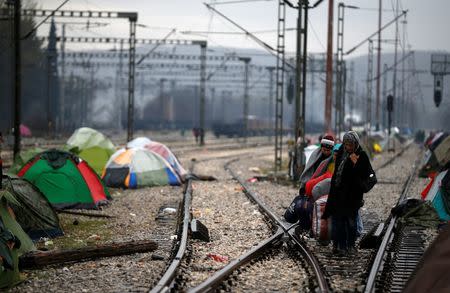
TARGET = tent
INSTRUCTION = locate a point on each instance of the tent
(160, 149)
(138, 167)
(435, 195)
(35, 213)
(22, 158)
(25, 131)
(92, 146)
(9, 271)
(442, 152)
(65, 180)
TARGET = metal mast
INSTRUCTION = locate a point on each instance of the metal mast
(246, 61)
(131, 76)
(339, 71)
(17, 75)
(377, 110)
(62, 81)
(385, 69)
(270, 69)
(351, 92)
(369, 87)
(394, 79)
(279, 84)
(329, 71)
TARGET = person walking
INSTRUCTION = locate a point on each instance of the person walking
(300, 208)
(352, 168)
(318, 156)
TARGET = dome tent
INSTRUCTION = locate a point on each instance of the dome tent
(160, 149)
(34, 212)
(138, 167)
(92, 146)
(65, 180)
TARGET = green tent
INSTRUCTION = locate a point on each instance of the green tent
(9, 230)
(92, 146)
(22, 158)
(35, 214)
(65, 180)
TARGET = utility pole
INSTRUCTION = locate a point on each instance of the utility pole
(203, 45)
(281, 28)
(17, 74)
(369, 89)
(339, 70)
(271, 97)
(213, 104)
(119, 100)
(385, 68)
(303, 35)
(329, 72)
(131, 75)
(62, 81)
(351, 92)
(222, 106)
(52, 73)
(246, 61)
(394, 80)
(403, 112)
(377, 108)
(161, 101)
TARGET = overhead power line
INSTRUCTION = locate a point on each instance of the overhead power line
(43, 21)
(372, 35)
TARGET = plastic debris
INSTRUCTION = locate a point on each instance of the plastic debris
(217, 257)
(252, 180)
(169, 211)
(132, 214)
(254, 169)
(93, 237)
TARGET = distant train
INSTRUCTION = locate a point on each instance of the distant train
(256, 126)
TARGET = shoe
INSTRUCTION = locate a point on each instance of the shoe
(340, 252)
(352, 250)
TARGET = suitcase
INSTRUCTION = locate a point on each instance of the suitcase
(321, 229)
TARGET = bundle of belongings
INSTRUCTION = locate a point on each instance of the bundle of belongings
(309, 205)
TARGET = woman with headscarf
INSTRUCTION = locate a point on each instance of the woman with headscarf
(352, 167)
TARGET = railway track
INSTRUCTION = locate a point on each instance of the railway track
(282, 247)
(400, 251)
(260, 264)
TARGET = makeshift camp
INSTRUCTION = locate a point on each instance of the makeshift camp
(92, 146)
(65, 180)
(35, 213)
(138, 167)
(442, 152)
(11, 231)
(439, 198)
(160, 149)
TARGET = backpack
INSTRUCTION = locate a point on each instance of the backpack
(300, 210)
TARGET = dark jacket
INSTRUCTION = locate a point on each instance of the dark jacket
(346, 199)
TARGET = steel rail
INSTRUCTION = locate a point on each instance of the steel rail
(395, 157)
(170, 274)
(211, 283)
(379, 258)
(283, 229)
(314, 263)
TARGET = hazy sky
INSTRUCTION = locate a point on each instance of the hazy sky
(427, 22)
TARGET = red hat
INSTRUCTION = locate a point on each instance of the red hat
(327, 140)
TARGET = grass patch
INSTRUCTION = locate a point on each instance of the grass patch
(87, 232)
